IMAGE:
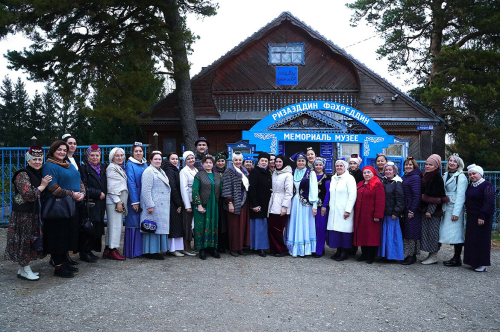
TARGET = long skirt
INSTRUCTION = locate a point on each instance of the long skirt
(477, 247)
(259, 238)
(132, 242)
(175, 244)
(321, 222)
(430, 234)
(301, 229)
(411, 247)
(154, 243)
(275, 225)
(339, 240)
(114, 229)
(391, 239)
(22, 226)
(238, 227)
(206, 225)
(60, 236)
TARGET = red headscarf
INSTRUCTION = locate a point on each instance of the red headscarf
(374, 181)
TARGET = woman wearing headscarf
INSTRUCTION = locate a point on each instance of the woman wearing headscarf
(451, 229)
(186, 177)
(391, 238)
(206, 193)
(136, 165)
(259, 195)
(411, 226)
(235, 193)
(155, 204)
(321, 219)
(480, 205)
(433, 196)
(115, 203)
(219, 169)
(368, 213)
(301, 228)
(279, 205)
(93, 174)
(311, 156)
(175, 235)
(380, 162)
(354, 170)
(340, 198)
(25, 217)
(248, 163)
(61, 235)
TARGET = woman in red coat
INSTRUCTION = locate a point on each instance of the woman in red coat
(368, 212)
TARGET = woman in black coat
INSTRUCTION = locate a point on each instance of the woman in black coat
(93, 174)
(176, 233)
(259, 194)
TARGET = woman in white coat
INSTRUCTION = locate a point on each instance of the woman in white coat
(451, 229)
(116, 199)
(341, 199)
(186, 178)
(279, 205)
(155, 204)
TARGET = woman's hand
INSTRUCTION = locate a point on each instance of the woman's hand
(179, 209)
(103, 195)
(454, 218)
(256, 209)
(201, 209)
(410, 215)
(376, 219)
(315, 212)
(346, 215)
(427, 215)
(323, 211)
(151, 210)
(231, 207)
(480, 222)
(190, 210)
(135, 207)
(394, 217)
(283, 211)
(119, 207)
(46, 180)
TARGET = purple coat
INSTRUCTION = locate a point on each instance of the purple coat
(412, 186)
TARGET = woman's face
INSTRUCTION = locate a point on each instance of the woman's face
(61, 152)
(138, 153)
(174, 159)
(380, 161)
(452, 164)
(263, 162)
(318, 168)
(430, 167)
(208, 165)
(311, 155)
(118, 157)
(367, 174)
(72, 144)
(340, 168)
(248, 164)
(409, 167)
(279, 163)
(474, 176)
(353, 165)
(36, 162)
(156, 161)
(272, 161)
(301, 163)
(190, 160)
(221, 163)
(389, 172)
(237, 161)
(95, 158)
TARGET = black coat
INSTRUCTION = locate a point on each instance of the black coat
(172, 172)
(260, 191)
(394, 197)
(358, 175)
(94, 186)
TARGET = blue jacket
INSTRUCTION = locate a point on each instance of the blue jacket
(134, 170)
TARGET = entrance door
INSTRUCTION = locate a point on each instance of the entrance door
(293, 147)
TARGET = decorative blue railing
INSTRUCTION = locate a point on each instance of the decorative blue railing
(13, 159)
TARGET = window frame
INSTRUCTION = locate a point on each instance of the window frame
(281, 63)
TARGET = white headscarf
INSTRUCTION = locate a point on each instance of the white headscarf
(346, 165)
(476, 168)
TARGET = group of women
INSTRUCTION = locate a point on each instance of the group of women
(271, 208)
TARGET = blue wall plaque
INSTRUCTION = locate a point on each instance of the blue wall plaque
(287, 75)
(427, 127)
(329, 165)
(326, 149)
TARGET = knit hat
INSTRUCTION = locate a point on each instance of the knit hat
(356, 158)
(34, 151)
(435, 160)
(187, 154)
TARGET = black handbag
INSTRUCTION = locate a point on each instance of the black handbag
(57, 208)
(86, 224)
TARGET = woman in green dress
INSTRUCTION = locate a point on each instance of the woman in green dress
(206, 192)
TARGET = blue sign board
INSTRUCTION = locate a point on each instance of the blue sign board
(281, 149)
(329, 165)
(427, 127)
(287, 76)
(326, 149)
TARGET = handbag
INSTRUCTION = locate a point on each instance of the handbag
(58, 208)
(148, 226)
(86, 225)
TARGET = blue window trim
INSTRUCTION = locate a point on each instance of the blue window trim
(269, 45)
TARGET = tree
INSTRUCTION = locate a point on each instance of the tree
(425, 37)
(79, 46)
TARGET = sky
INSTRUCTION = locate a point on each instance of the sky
(237, 20)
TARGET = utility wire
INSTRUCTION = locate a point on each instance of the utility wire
(361, 41)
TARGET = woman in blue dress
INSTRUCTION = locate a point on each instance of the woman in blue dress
(132, 244)
(301, 228)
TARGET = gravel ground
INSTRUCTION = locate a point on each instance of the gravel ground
(251, 294)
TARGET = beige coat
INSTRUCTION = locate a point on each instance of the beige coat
(282, 191)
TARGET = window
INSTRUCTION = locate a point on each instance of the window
(347, 149)
(286, 54)
(394, 150)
